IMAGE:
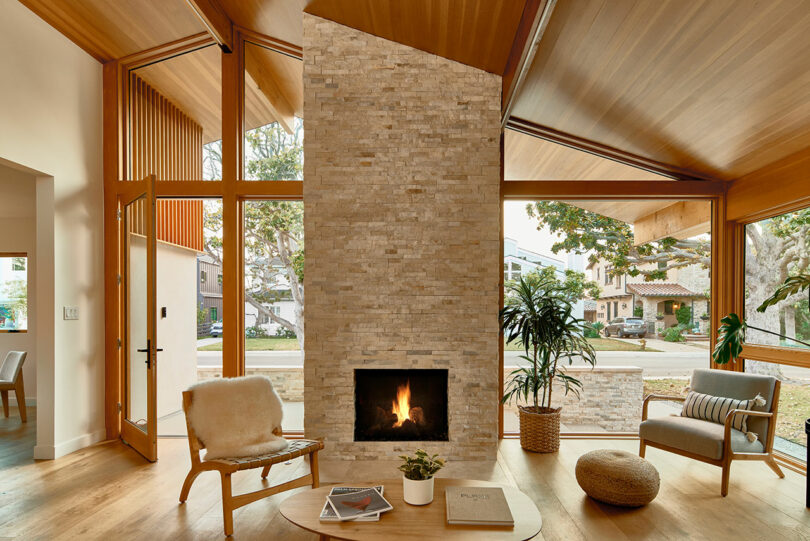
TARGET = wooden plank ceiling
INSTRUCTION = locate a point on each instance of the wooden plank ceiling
(112, 29)
(530, 158)
(715, 86)
(478, 33)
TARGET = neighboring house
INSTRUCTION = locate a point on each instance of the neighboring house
(621, 293)
(209, 298)
(209, 288)
(518, 262)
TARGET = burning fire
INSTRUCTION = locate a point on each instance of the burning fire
(402, 405)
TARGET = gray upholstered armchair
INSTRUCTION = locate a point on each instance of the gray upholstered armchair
(715, 443)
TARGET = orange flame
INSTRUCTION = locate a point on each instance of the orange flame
(402, 405)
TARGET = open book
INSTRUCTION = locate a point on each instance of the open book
(328, 513)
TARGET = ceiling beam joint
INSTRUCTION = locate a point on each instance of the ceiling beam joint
(530, 32)
(216, 21)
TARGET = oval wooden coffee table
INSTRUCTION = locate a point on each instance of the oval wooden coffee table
(410, 521)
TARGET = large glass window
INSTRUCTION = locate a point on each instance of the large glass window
(274, 300)
(776, 249)
(274, 133)
(794, 407)
(13, 292)
(650, 334)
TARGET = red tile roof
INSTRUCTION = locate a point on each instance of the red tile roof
(661, 290)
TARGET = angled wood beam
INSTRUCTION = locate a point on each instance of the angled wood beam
(533, 23)
(216, 21)
(596, 190)
(261, 73)
(604, 151)
(166, 50)
(681, 220)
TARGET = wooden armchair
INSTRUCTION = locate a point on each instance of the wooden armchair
(11, 379)
(227, 467)
(714, 443)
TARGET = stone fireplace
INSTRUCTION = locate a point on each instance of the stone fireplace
(402, 219)
(400, 405)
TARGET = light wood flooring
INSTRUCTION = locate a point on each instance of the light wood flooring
(108, 492)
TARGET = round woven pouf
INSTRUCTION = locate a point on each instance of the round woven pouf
(617, 477)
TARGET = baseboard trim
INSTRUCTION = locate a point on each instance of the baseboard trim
(51, 452)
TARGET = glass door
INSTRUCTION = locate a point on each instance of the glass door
(139, 252)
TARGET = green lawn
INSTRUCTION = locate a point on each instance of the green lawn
(599, 344)
(794, 404)
(260, 344)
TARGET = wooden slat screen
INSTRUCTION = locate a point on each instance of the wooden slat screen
(166, 142)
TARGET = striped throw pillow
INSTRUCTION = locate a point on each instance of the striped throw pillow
(715, 408)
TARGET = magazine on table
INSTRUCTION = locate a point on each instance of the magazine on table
(328, 513)
(360, 503)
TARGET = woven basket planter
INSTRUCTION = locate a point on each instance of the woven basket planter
(540, 429)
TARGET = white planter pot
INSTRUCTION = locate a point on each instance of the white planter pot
(417, 492)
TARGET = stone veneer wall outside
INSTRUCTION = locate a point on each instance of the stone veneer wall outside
(610, 400)
(402, 206)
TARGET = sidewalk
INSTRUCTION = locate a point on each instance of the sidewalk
(669, 347)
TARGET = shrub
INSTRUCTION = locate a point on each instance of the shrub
(673, 334)
(592, 329)
(638, 311)
(684, 315)
(283, 332)
(256, 332)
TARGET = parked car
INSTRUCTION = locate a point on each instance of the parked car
(626, 326)
(216, 329)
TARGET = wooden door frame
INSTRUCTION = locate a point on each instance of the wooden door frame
(143, 442)
(232, 190)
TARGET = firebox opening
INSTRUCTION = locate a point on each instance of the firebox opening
(400, 405)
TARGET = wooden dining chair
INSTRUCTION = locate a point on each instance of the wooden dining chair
(11, 379)
(227, 467)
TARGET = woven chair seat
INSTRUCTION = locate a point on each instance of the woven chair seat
(295, 449)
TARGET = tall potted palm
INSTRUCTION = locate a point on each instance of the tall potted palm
(538, 313)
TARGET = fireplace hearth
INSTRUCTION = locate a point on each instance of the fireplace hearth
(400, 405)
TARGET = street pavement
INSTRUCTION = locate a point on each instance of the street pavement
(664, 364)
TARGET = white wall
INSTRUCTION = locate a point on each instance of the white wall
(50, 121)
(176, 333)
(18, 234)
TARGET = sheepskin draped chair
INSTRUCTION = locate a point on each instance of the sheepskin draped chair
(239, 416)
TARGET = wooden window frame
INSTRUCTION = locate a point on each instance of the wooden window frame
(598, 190)
(232, 189)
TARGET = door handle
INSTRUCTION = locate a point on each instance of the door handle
(148, 351)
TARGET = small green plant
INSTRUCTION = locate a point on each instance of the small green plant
(659, 316)
(673, 334)
(421, 466)
(638, 311)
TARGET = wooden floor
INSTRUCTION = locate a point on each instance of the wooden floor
(108, 492)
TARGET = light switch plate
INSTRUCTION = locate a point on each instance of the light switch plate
(70, 312)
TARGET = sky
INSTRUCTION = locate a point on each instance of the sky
(519, 226)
